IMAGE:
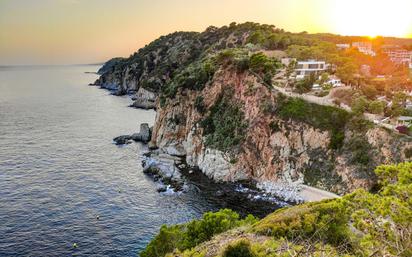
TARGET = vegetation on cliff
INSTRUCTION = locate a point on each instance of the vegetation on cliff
(322, 117)
(156, 65)
(358, 224)
(224, 127)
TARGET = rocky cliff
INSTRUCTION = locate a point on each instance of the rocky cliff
(275, 148)
(218, 111)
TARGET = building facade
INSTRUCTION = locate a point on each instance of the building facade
(398, 55)
(306, 68)
(364, 47)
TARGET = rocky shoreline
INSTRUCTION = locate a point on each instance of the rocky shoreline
(170, 171)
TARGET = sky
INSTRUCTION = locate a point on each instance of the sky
(90, 31)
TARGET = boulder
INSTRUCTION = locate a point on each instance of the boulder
(143, 136)
(121, 140)
(143, 104)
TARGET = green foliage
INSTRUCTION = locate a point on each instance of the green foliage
(257, 62)
(224, 127)
(200, 105)
(241, 248)
(286, 248)
(193, 77)
(211, 224)
(260, 63)
(318, 116)
(347, 71)
(376, 107)
(358, 224)
(359, 149)
(384, 219)
(336, 140)
(326, 220)
(305, 85)
(369, 91)
(320, 51)
(397, 108)
(360, 105)
(165, 241)
(324, 78)
(358, 124)
(188, 235)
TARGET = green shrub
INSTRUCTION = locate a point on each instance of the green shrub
(242, 64)
(187, 236)
(165, 241)
(337, 139)
(193, 77)
(384, 219)
(305, 85)
(240, 248)
(200, 105)
(360, 105)
(224, 127)
(260, 63)
(376, 107)
(319, 116)
(325, 221)
(226, 55)
(359, 148)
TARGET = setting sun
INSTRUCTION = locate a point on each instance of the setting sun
(372, 18)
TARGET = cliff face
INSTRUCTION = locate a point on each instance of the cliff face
(274, 149)
(217, 109)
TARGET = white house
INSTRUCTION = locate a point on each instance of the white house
(343, 46)
(397, 54)
(305, 68)
(364, 47)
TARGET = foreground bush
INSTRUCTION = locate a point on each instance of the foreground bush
(189, 235)
(358, 224)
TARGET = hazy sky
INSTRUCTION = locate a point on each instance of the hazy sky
(85, 31)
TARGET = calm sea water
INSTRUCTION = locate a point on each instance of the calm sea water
(59, 170)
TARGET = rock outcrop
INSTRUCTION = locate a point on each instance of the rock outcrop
(143, 136)
(144, 99)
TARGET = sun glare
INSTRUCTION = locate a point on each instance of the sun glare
(372, 17)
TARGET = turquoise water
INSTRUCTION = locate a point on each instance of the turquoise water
(59, 170)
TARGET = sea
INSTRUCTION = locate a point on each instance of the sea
(65, 188)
